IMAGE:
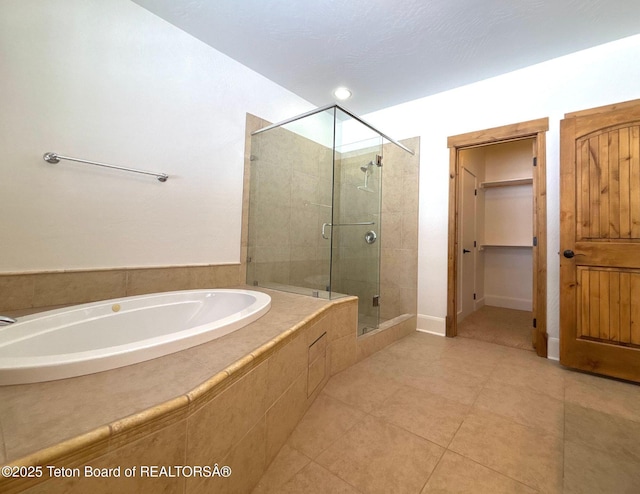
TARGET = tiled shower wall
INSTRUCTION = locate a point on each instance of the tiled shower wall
(399, 256)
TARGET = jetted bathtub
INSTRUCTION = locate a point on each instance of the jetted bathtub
(104, 335)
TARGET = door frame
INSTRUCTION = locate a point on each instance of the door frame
(535, 129)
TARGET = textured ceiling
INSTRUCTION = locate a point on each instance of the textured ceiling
(391, 51)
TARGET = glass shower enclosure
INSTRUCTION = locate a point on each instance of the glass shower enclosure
(315, 209)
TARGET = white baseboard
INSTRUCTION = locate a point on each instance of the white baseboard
(508, 303)
(479, 303)
(432, 325)
(553, 348)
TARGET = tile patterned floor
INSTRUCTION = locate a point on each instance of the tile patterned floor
(498, 325)
(439, 415)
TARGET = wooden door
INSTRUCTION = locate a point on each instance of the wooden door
(600, 240)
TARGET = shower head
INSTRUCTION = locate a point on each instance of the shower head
(367, 167)
(368, 171)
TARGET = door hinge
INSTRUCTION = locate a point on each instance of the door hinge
(378, 159)
(535, 161)
(376, 300)
(474, 296)
(474, 243)
(535, 241)
(248, 260)
(535, 323)
(475, 192)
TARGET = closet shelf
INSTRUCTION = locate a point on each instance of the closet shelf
(510, 246)
(506, 183)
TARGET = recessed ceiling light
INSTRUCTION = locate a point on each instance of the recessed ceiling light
(342, 93)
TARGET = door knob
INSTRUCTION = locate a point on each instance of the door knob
(465, 251)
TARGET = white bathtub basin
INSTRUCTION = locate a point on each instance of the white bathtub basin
(104, 335)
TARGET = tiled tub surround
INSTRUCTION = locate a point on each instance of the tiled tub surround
(23, 292)
(265, 376)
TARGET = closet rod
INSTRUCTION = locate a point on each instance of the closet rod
(55, 158)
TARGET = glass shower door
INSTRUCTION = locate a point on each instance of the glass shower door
(291, 186)
(357, 197)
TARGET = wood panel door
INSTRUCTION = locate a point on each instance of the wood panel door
(600, 240)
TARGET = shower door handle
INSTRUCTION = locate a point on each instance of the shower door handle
(325, 225)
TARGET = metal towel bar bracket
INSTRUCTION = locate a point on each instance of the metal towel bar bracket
(324, 225)
(55, 158)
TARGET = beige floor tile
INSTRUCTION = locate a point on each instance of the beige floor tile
(361, 388)
(523, 405)
(394, 367)
(476, 351)
(456, 474)
(314, 479)
(426, 414)
(616, 436)
(520, 338)
(589, 471)
(517, 356)
(460, 361)
(606, 395)
(446, 381)
(284, 467)
(377, 457)
(327, 420)
(519, 424)
(519, 452)
(466, 330)
(498, 325)
(527, 370)
(418, 347)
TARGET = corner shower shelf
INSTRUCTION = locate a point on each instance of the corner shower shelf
(506, 183)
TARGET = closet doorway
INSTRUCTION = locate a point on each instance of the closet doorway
(497, 235)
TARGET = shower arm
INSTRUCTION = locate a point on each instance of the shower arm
(325, 225)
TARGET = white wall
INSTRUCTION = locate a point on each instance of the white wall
(108, 81)
(508, 278)
(598, 76)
